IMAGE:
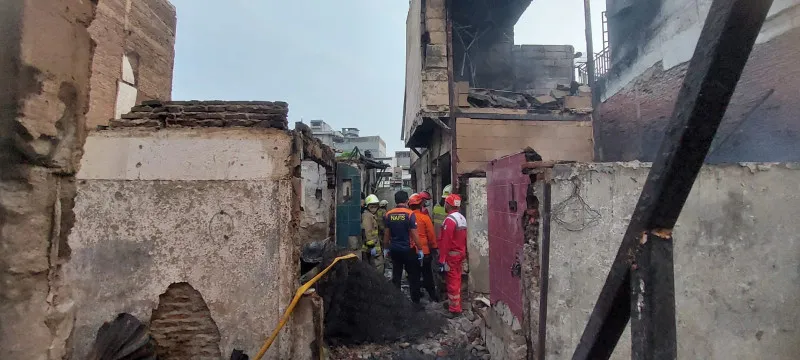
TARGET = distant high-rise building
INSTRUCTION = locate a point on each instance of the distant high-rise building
(347, 139)
(325, 133)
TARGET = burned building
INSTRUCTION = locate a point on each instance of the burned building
(205, 196)
(651, 44)
(133, 56)
(472, 95)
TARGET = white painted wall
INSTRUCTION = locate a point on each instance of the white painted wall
(186, 154)
(126, 99)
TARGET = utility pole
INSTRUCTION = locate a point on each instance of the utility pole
(587, 11)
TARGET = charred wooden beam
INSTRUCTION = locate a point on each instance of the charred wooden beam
(725, 43)
(544, 272)
(653, 333)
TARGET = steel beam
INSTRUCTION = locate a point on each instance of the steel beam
(725, 43)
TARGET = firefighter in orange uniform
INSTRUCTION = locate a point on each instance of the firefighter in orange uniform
(453, 250)
(427, 238)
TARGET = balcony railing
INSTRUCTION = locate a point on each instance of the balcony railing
(602, 64)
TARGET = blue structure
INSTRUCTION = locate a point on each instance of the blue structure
(348, 204)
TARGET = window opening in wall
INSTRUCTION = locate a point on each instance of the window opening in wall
(345, 190)
(127, 92)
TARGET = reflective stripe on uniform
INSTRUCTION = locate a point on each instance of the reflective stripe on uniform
(460, 220)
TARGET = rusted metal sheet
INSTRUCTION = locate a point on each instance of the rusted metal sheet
(506, 190)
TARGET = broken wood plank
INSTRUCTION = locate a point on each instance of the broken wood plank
(489, 110)
(724, 46)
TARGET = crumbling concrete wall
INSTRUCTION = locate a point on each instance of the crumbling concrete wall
(478, 235)
(44, 95)
(652, 43)
(206, 194)
(210, 207)
(317, 203)
(736, 256)
(134, 56)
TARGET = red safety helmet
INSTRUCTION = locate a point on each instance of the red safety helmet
(415, 200)
(453, 200)
(425, 195)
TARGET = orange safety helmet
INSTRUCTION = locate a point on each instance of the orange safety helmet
(415, 200)
(453, 200)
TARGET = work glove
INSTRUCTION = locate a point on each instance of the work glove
(420, 256)
(373, 252)
(442, 267)
(385, 252)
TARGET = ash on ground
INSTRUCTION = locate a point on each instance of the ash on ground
(368, 318)
(362, 306)
(460, 339)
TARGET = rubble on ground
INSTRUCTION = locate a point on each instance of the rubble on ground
(460, 338)
(362, 306)
(570, 99)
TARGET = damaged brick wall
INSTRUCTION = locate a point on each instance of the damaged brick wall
(141, 33)
(182, 326)
(427, 87)
(213, 202)
(760, 123)
(531, 269)
(158, 114)
(44, 95)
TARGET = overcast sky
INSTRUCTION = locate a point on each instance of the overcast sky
(340, 61)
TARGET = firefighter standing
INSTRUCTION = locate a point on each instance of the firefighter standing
(401, 242)
(382, 209)
(439, 212)
(371, 248)
(430, 249)
(453, 249)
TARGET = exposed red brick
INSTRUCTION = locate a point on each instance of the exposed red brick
(631, 123)
(182, 326)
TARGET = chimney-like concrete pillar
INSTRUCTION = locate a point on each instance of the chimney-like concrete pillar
(44, 94)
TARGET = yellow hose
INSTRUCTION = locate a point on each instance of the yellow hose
(297, 296)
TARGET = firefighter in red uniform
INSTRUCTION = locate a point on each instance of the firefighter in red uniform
(453, 250)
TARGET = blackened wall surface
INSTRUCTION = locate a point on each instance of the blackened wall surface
(542, 67)
(632, 122)
(761, 123)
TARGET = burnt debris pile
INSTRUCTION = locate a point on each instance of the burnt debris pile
(362, 306)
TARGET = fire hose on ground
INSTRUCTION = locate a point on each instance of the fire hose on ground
(297, 295)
